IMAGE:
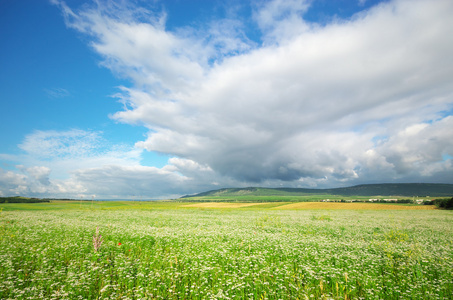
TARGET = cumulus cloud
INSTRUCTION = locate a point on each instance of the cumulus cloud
(315, 106)
(49, 159)
(367, 99)
(82, 164)
(420, 148)
(12, 183)
(24, 181)
(40, 174)
(311, 107)
(179, 176)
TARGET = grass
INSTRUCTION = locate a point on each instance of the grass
(90, 205)
(151, 205)
(221, 205)
(355, 206)
(170, 250)
(273, 198)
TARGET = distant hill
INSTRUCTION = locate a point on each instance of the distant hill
(384, 189)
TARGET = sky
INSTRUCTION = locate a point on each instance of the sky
(159, 99)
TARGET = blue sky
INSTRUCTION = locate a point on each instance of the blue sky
(50, 79)
(115, 99)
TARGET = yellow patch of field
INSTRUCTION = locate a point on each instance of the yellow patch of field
(220, 205)
(358, 205)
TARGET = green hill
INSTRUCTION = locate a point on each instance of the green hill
(365, 190)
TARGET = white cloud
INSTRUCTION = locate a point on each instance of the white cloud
(51, 144)
(40, 174)
(57, 92)
(50, 157)
(419, 148)
(309, 107)
(82, 164)
(362, 2)
(312, 107)
(11, 183)
(64, 151)
(24, 181)
(281, 20)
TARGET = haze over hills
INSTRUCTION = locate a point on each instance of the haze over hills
(385, 189)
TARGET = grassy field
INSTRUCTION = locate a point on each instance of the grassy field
(150, 205)
(355, 206)
(176, 250)
(275, 198)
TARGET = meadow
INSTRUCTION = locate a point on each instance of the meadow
(177, 250)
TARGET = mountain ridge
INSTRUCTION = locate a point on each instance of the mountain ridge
(379, 189)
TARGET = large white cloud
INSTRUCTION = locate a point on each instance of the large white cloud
(367, 99)
(311, 105)
(306, 105)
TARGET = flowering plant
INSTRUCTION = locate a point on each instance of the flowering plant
(97, 240)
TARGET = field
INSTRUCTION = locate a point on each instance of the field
(237, 197)
(176, 250)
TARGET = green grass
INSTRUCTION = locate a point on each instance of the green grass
(89, 205)
(272, 198)
(170, 251)
(143, 205)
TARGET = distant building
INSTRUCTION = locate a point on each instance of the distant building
(390, 200)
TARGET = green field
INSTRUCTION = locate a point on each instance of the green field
(272, 198)
(174, 250)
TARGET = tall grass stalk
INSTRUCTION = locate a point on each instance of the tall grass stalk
(97, 240)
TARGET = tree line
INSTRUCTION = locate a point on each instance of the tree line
(19, 199)
(441, 203)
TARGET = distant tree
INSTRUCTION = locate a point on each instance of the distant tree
(449, 203)
(404, 201)
(21, 200)
(444, 203)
